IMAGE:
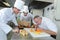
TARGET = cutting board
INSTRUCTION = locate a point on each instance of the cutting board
(43, 34)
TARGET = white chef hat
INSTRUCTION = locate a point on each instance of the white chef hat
(25, 9)
(19, 4)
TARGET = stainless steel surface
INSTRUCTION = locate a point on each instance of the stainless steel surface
(20, 37)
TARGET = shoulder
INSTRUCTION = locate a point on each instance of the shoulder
(4, 9)
(45, 19)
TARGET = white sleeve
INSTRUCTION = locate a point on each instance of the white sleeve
(3, 15)
(51, 26)
(6, 28)
(14, 20)
(3, 18)
(2, 35)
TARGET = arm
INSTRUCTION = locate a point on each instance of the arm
(2, 35)
(3, 16)
(49, 32)
(52, 29)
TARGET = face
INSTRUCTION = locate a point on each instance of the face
(25, 14)
(16, 11)
(38, 21)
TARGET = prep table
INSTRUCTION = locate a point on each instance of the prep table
(43, 34)
(18, 36)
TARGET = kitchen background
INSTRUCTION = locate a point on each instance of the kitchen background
(46, 8)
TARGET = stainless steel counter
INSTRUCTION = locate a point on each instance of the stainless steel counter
(20, 37)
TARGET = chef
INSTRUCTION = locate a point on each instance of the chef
(8, 14)
(26, 16)
(46, 25)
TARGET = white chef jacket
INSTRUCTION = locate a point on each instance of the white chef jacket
(6, 28)
(3, 36)
(6, 14)
(26, 18)
(47, 24)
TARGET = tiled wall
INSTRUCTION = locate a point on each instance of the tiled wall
(37, 12)
(49, 12)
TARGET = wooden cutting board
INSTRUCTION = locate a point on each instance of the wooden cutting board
(43, 34)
